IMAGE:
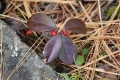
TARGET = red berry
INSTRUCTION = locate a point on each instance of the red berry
(53, 32)
(28, 32)
(63, 32)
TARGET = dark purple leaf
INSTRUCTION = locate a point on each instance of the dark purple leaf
(52, 48)
(76, 26)
(3, 5)
(68, 51)
(14, 24)
(41, 22)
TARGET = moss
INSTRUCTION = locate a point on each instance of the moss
(111, 10)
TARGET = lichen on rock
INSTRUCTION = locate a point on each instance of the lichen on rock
(14, 50)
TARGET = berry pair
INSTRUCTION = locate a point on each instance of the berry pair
(63, 32)
(53, 32)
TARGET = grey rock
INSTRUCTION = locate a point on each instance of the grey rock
(14, 50)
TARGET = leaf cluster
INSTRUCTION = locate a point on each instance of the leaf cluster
(59, 45)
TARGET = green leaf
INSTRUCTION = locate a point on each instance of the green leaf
(75, 76)
(64, 76)
(79, 60)
(85, 51)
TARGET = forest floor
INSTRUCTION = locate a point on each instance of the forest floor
(99, 48)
